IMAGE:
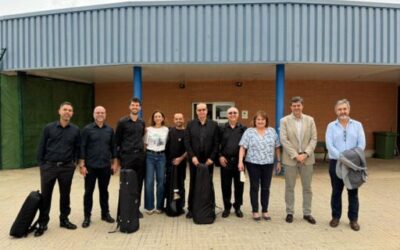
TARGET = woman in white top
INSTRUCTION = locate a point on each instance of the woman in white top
(155, 140)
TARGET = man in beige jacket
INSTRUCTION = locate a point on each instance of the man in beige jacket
(298, 136)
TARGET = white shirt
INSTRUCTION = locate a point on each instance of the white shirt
(156, 138)
(299, 127)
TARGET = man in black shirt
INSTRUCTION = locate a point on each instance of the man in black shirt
(57, 153)
(97, 152)
(201, 143)
(176, 157)
(230, 135)
(129, 142)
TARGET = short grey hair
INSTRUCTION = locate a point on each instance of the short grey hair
(296, 99)
(342, 101)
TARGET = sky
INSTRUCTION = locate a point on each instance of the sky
(11, 7)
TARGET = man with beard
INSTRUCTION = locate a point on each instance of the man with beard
(129, 143)
(57, 153)
(342, 134)
(176, 157)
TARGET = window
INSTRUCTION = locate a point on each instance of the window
(217, 111)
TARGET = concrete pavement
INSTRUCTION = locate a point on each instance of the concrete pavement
(379, 218)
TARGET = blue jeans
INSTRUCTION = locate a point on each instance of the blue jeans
(155, 163)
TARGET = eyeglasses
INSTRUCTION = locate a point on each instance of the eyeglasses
(201, 109)
(232, 113)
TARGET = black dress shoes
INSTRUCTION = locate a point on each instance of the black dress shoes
(189, 215)
(65, 223)
(289, 218)
(354, 225)
(310, 219)
(334, 222)
(86, 222)
(108, 218)
(225, 213)
(40, 230)
(239, 213)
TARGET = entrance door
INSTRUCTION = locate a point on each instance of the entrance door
(217, 111)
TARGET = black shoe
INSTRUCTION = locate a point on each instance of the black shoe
(334, 222)
(238, 213)
(354, 225)
(289, 218)
(140, 215)
(310, 219)
(256, 217)
(225, 213)
(189, 215)
(40, 230)
(67, 224)
(86, 222)
(108, 218)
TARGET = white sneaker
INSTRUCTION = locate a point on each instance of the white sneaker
(149, 212)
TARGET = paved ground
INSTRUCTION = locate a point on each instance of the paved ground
(379, 218)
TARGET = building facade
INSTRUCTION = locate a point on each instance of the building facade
(251, 54)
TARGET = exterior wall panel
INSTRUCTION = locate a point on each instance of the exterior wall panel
(367, 105)
(259, 32)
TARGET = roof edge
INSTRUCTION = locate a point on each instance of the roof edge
(197, 2)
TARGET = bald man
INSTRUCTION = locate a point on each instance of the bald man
(201, 143)
(97, 155)
(230, 134)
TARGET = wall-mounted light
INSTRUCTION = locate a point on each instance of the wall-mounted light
(238, 84)
(182, 85)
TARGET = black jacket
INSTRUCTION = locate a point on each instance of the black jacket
(202, 141)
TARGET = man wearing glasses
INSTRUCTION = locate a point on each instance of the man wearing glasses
(230, 135)
(201, 143)
(342, 134)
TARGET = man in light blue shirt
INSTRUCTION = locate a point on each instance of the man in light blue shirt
(342, 134)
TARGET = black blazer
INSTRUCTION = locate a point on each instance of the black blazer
(210, 140)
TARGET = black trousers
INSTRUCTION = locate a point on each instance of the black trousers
(180, 180)
(259, 174)
(193, 171)
(229, 173)
(49, 174)
(137, 162)
(103, 176)
(336, 198)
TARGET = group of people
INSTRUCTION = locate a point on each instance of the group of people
(155, 150)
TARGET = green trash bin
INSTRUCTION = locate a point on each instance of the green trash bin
(385, 144)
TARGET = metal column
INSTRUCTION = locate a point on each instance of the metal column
(280, 95)
(137, 84)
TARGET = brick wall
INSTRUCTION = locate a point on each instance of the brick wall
(372, 103)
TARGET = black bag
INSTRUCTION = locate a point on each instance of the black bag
(128, 202)
(204, 197)
(22, 225)
(174, 206)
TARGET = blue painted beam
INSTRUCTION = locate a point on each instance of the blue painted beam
(137, 84)
(280, 95)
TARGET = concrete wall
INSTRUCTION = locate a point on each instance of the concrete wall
(372, 103)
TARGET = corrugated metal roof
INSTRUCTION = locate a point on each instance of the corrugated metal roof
(206, 32)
